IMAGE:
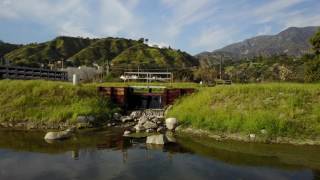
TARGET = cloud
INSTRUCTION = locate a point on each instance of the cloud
(186, 12)
(75, 17)
(116, 16)
(266, 30)
(214, 37)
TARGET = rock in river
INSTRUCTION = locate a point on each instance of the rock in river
(126, 119)
(156, 139)
(59, 135)
(171, 123)
(150, 125)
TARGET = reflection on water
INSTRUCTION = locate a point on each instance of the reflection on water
(105, 154)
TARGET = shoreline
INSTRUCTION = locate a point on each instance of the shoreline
(245, 138)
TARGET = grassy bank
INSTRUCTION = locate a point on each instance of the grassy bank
(47, 101)
(283, 110)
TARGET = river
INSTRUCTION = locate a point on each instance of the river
(105, 154)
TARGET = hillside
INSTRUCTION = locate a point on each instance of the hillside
(146, 56)
(48, 52)
(6, 47)
(292, 41)
(80, 51)
(268, 110)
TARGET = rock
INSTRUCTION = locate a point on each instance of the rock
(139, 128)
(171, 123)
(150, 125)
(109, 124)
(252, 136)
(83, 125)
(116, 116)
(126, 119)
(156, 139)
(149, 130)
(161, 129)
(126, 133)
(178, 128)
(91, 119)
(142, 120)
(82, 119)
(113, 124)
(59, 135)
(263, 131)
(135, 114)
(170, 137)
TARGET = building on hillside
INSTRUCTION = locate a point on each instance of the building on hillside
(84, 73)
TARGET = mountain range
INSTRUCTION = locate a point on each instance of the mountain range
(292, 41)
(76, 51)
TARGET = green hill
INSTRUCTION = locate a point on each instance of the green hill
(6, 47)
(80, 51)
(102, 50)
(146, 56)
(48, 52)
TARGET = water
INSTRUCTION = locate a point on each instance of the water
(105, 154)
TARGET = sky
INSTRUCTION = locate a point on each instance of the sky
(190, 25)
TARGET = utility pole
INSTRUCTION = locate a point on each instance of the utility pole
(107, 68)
(221, 67)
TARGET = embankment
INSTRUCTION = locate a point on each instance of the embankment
(45, 103)
(281, 113)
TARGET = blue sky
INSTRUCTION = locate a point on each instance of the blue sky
(190, 25)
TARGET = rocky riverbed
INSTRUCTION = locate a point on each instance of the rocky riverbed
(152, 122)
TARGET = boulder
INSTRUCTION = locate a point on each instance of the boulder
(139, 128)
(116, 116)
(135, 114)
(156, 139)
(149, 130)
(126, 133)
(59, 135)
(171, 123)
(82, 119)
(142, 120)
(170, 137)
(126, 119)
(252, 137)
(263, 131)
(161, 129)
(150, 125)
(91, 119)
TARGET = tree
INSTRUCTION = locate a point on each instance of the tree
(205, 74)
(315, 42)
(312, 70)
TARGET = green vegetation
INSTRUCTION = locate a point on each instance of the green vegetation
(46, 102)
(5, 48)
(36, 55)
(119, 53)
(283, 110)
(272, 68)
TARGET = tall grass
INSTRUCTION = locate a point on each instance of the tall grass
(287, 110)
(47, 101)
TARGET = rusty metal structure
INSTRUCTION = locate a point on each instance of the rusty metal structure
(143, 97)
(15, 72)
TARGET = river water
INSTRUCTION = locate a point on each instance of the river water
(105, 154)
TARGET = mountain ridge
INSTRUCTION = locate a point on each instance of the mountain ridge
(293, 41)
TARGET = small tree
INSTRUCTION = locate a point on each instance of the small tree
(315, 42)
